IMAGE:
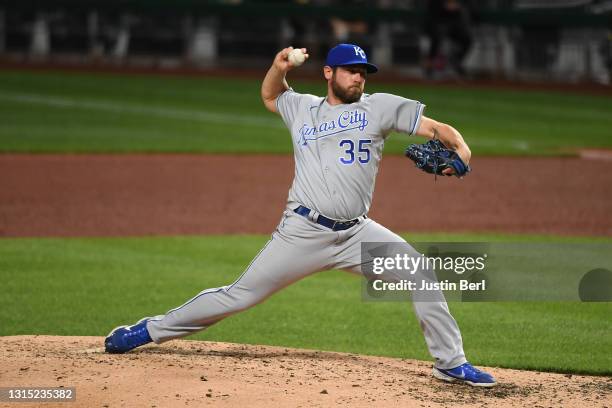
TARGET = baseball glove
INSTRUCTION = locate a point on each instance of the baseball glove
(433, 157)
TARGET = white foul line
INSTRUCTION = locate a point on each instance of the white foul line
(119, 107)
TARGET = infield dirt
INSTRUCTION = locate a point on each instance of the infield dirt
(118, 195)
(195, 373)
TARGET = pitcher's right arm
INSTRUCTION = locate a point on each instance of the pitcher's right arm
(275, 82)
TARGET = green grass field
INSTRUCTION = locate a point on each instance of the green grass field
(113, 113)
(87, 286)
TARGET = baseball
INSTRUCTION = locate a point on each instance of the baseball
(296, 57)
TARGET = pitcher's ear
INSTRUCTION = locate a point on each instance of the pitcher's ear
(328, 72)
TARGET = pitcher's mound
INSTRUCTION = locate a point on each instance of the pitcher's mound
(195, 373)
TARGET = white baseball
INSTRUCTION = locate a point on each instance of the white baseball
(296, 57)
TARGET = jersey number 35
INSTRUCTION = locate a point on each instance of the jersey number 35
(362, 154)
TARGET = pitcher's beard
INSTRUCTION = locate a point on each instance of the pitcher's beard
(350, 95)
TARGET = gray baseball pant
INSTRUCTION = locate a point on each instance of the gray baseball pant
(299, 248)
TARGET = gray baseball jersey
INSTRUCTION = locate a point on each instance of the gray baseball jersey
(337, 153)
(338, 148)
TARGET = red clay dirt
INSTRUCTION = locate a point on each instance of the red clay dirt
(119, 195)
(195, 373)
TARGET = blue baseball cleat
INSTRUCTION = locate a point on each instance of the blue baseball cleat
(466, 373)
(125, 338)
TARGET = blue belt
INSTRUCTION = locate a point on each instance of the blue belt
(327, 222)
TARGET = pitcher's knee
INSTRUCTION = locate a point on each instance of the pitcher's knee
(244, 301)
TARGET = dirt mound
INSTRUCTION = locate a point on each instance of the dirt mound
(194, 373)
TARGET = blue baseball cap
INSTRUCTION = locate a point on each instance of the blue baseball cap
(349, 54)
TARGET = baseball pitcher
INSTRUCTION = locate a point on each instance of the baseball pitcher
(337, 141)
